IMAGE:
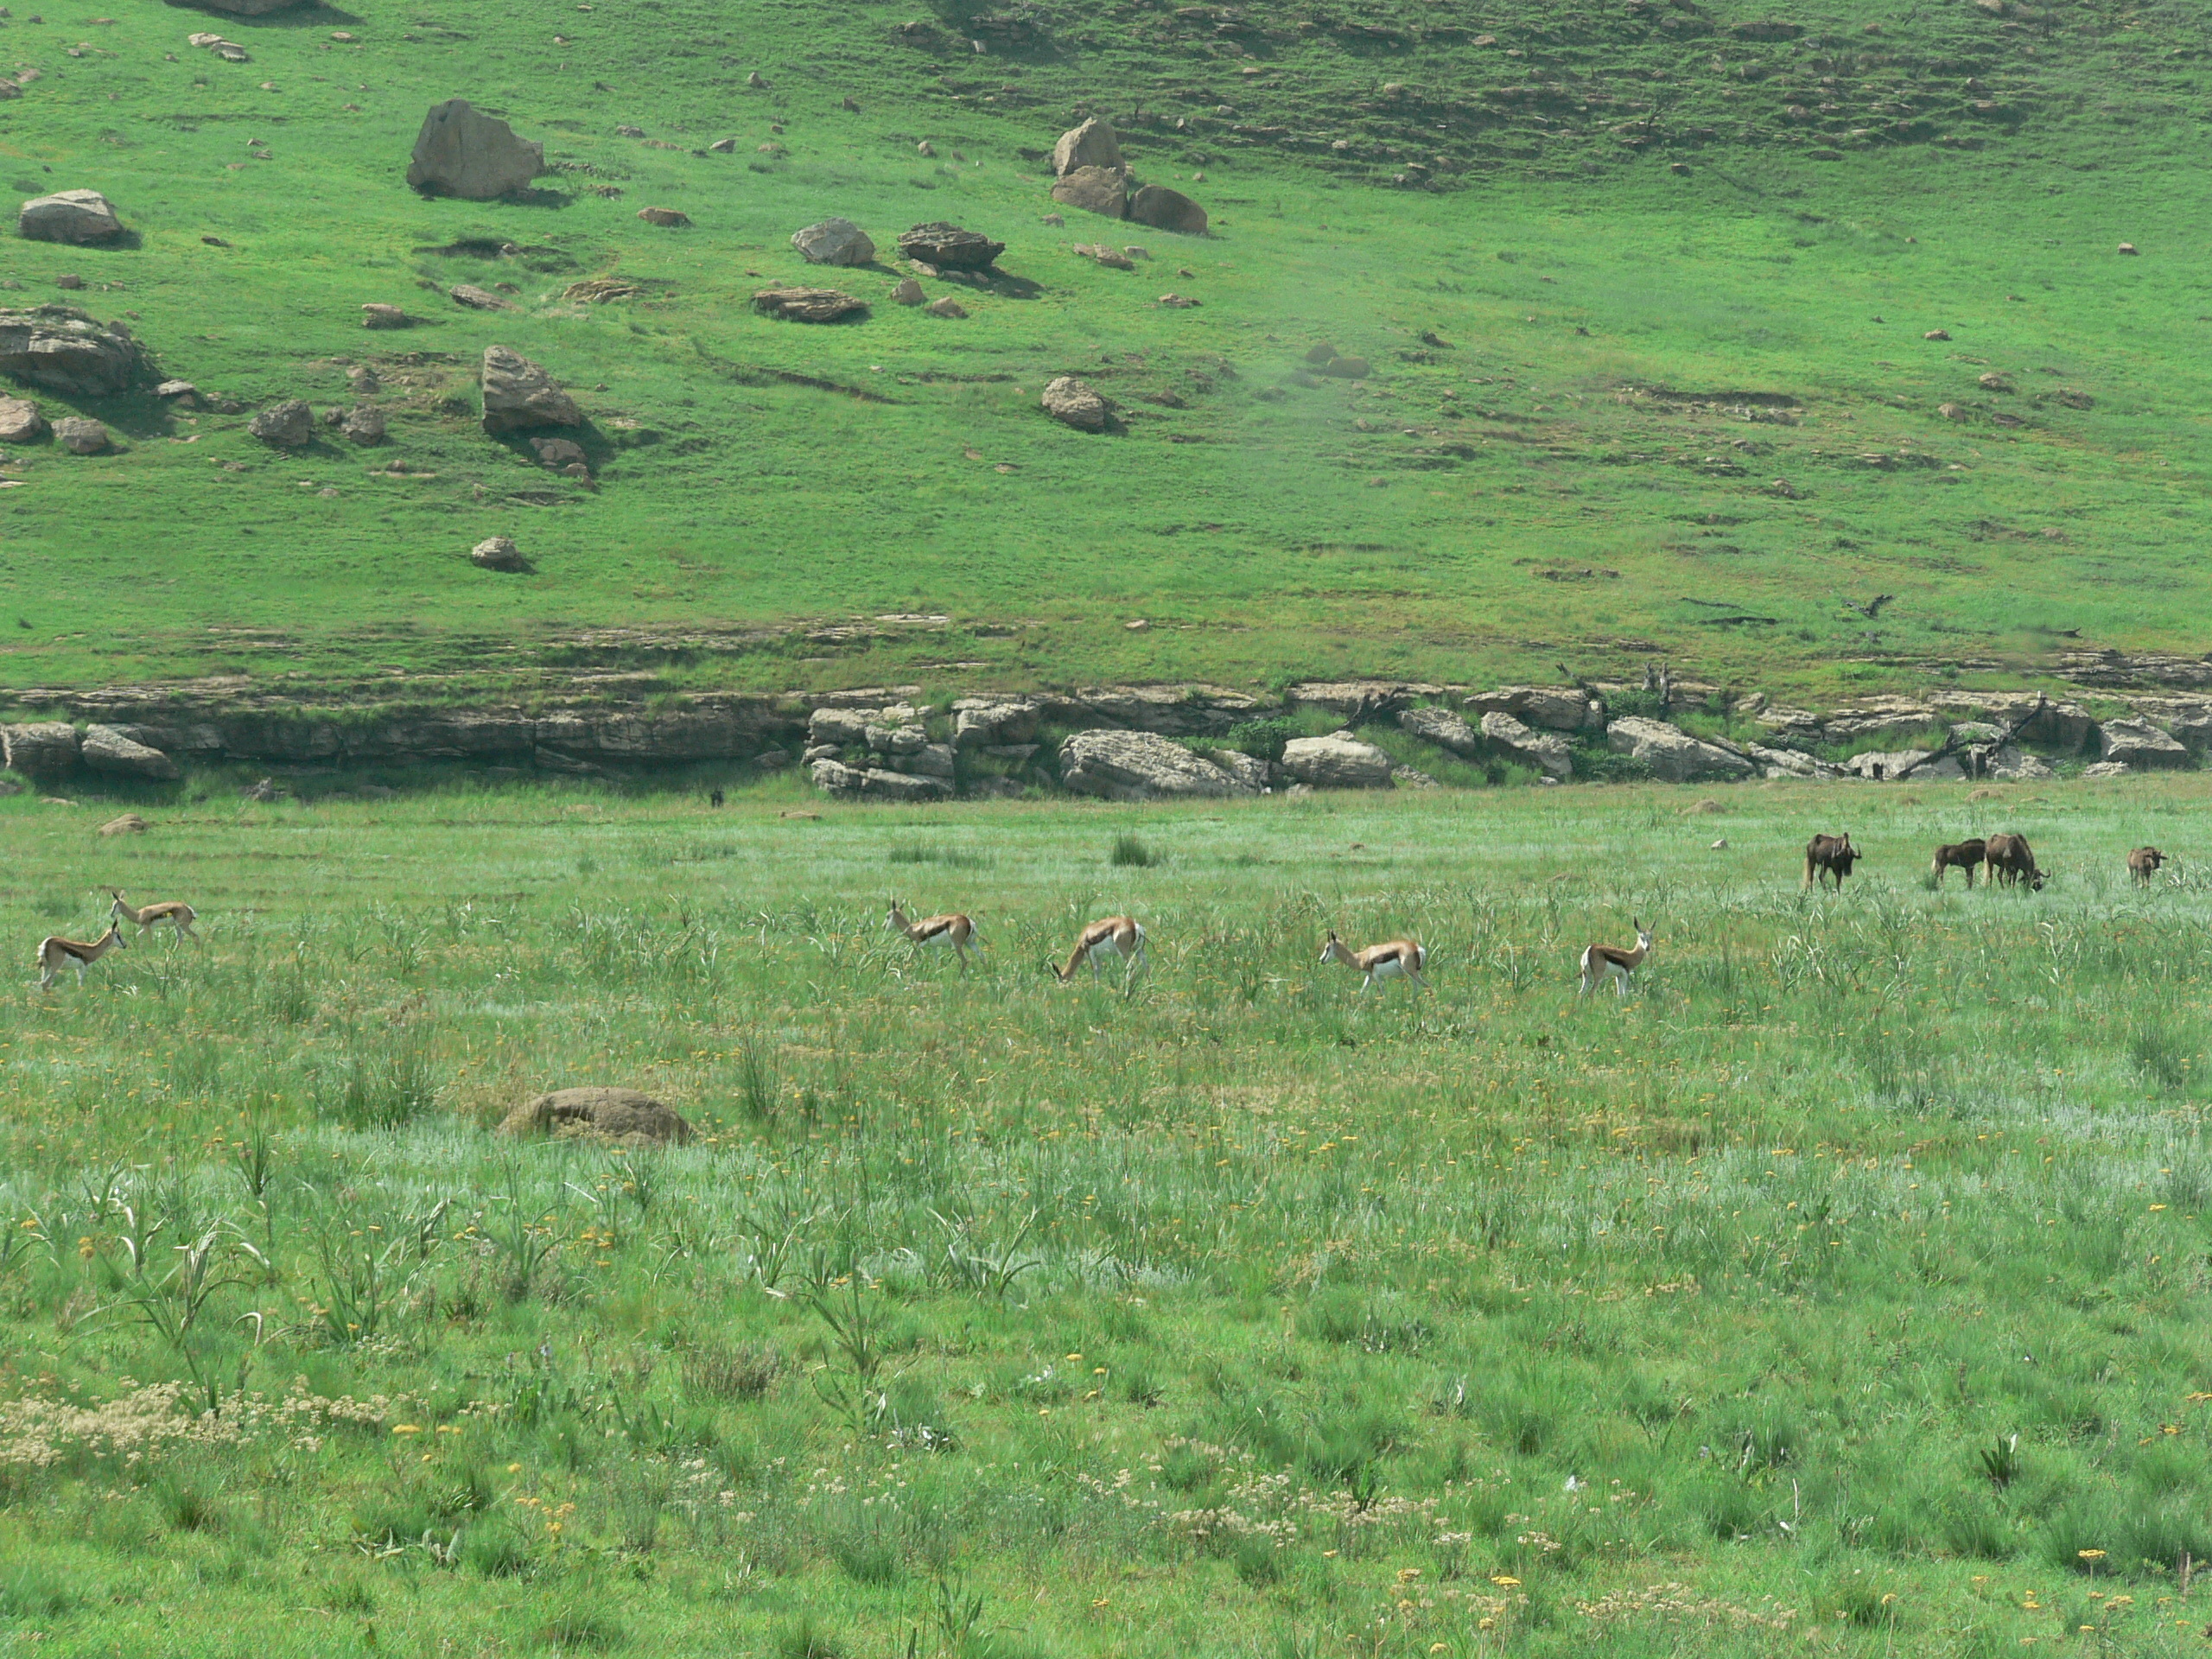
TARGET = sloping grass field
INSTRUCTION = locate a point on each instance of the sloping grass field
(1568, 238)
(1840, 1290)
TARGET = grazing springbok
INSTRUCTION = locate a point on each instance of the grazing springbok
(1398, 959)
(2143, 863)
(1115, 935)
(1604, 962)
(55, 953)
(178, 914)
(1960, 854)
(954, 929)
(2011, 862)
(1829, 856)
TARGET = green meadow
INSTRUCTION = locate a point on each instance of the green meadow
(1838, 1290)
(1568, 239)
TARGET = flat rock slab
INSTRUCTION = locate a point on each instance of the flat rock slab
(65, 351)
(1145, 766)
(1671, 753)
(622, 1115)
(71, 216)
(950, 248)
(808, 304)
(1338, 760)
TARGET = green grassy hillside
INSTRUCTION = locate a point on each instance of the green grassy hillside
(1611, 219)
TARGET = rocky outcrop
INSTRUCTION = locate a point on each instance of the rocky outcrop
(363, 423)
(20, 421)
(1143, 767)
(1547, 751)
(519, 394)
(1337, 761)
(72, 216)
(1557, 709)
(1789, 763)
(2012, 765)
(622, 1115)
(1672, 753)
(1167, 210)
(984, 723)
(461, 152)
(834, 242)
(105, 749)
(2188, 719)
(2139, 746)
(808, 304)
(1101, 190)
(1092, 145)
(80, 435)
(1072, 402)
(65, 351)
(1909, 765)
(42, 748)
(950, 248)
(288, 425)
(877, 783)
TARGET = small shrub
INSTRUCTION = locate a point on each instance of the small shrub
(492, 1552)
(582, 1630)
(31, 1593)
(1263, 740)
(1257, 1560)
(958, 858)
(1129, 852)
(807, 1640)
(186, 1507)
(744, 1372)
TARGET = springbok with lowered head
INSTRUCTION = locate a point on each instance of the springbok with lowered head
(954, 929)
(55, 953)
(179, 915)
(1603, 961)
(1398, 959)
(1121, 936)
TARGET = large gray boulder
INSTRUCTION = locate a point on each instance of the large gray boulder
(2188, 719)
(834, 242)
(1072, 402)
(1547, 751)
(105, 749)
(519, 394)
(978, 722)
(880, 783)
(20, 421)
(1168, 210)
(1094, 190)
(72, 216)
(1558, 708)
(2139, 746)
(1337, 761)
(1671, 753)
(40, 748)
(1091, 145)
(65, 351)
(1143, 767)
(1442, 728)
(288, 425)
(461, 152)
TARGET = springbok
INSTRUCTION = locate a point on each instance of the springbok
(954, 929)
(55, 953)
(179, 915)
(1398, 959)
(1114, 936)
(1603, 961)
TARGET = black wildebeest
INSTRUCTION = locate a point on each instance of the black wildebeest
(2009, 861)
(2143, 863)
(1962, 854)
(1829, 856)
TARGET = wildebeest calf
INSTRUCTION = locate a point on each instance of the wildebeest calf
(1829, 856)
(1962, 854)
(2009, 861)
(2143, 863)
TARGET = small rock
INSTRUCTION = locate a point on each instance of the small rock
(807, 305)
(1167, 210)
(129, 825)
(1320, 353)
(1136, 251)
(723, 147)
(70, 281)
(665, 216)
(1347, 368)
(1177, 301)
(1951, 411)
(69, 216)
(622, 1115)
(949, 247)
(363, 423)
(1937, 334)
(264, 792)
(834, 242)
(518, 393)
(181, 391)
(554, 454)
(909, 292)
(80, 436)
(477, 299)
(1994, 382)
(629, 132)
(1070, 402)
(2129, 247)
(924, 149)
(1055, 219)
(375, 314)
(498, 553)
(1112, 258)
(1091, 145)
(288, 425)
(20, 421)
(947, 306)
